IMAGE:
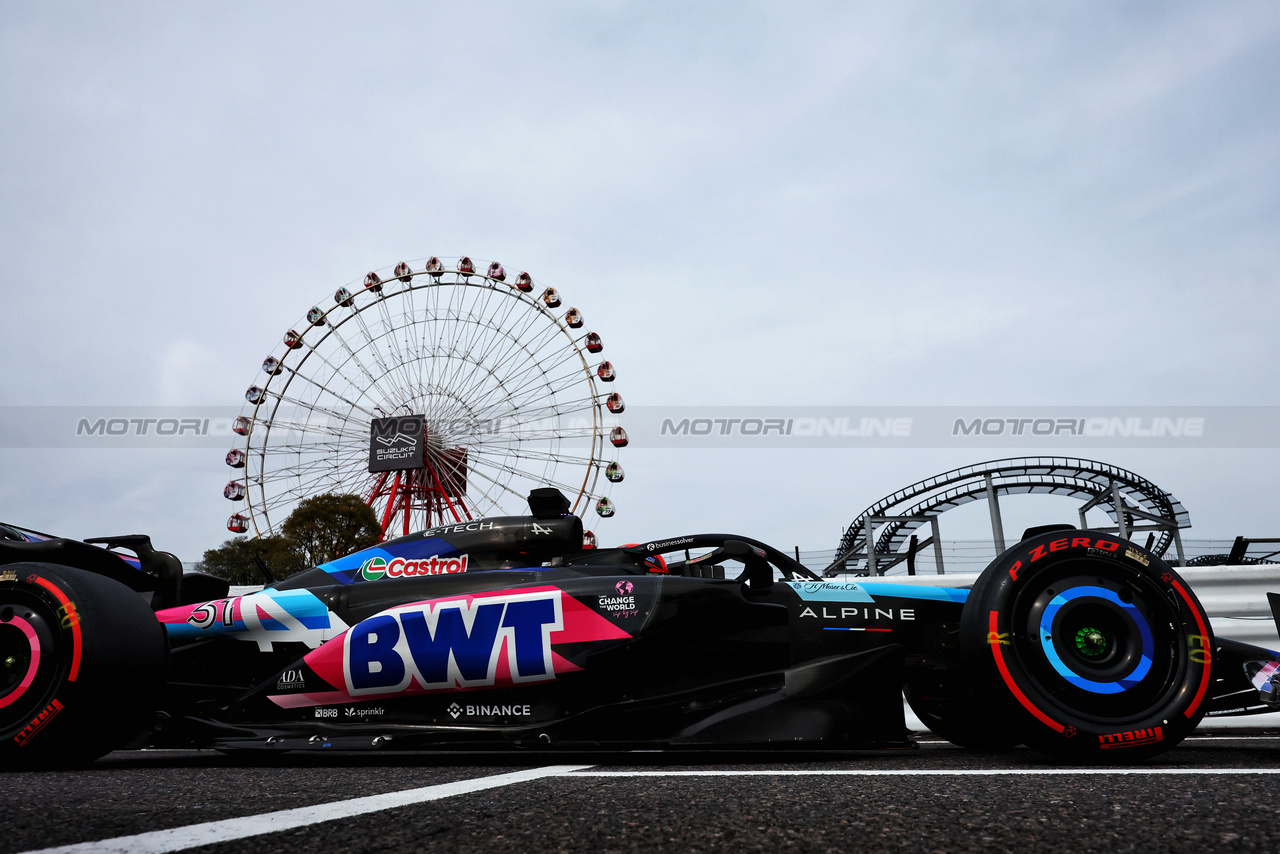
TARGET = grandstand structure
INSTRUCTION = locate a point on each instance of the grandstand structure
(884, 535)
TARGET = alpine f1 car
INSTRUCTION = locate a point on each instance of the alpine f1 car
(504, 633)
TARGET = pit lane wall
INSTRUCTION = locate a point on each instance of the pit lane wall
(1234, 596)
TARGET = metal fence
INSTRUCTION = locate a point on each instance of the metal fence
(972, 556)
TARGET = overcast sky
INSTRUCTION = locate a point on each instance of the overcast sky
(755, 203)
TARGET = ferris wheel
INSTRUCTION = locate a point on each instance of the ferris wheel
(437, 393)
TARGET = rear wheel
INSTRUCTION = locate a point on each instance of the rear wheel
(81, 657)
(1092, 648)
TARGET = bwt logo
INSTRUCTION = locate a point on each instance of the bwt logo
(454, 644)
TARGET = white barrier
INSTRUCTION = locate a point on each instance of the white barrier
(1235, 597)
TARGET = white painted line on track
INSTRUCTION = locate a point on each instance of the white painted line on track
(179, 838)
(932, 772)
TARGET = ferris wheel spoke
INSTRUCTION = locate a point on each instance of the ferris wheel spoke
(302, 483)
(401, 359)
(429, 310)
(504, 487)
(317, 407)
(371, 340)
(393, 373)
(327, 458)
(549, 388)
(444, 365)
(548, 456)
(334, 370)
(516, 332)
(511, 391)
(514, 353)
(514, 473)
(492, 495)
(561, 358)
(352, 356)
(534, 314)
(479, 349)
(313, 350)
(471, 392)
(500, 382)
(460, 360)
(322, 428)
(553, 416)
(320, 389)
(306, 478)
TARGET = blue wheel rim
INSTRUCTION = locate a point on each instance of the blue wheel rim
(1047, 634)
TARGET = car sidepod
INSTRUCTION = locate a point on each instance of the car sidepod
(578, 662)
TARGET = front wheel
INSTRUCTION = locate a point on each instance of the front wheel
(81, 657)
(1093, 649)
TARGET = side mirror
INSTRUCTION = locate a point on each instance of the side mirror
(759, 572)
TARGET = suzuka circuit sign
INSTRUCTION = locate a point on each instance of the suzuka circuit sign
(396, 443)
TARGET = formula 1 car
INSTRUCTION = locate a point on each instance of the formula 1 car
(504, 633)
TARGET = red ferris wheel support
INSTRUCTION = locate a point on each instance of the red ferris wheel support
(437, 492)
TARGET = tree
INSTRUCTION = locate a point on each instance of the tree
(326, 527)
(320, 529)
(243, 560)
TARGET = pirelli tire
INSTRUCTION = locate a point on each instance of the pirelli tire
(81, 659)
(1092, 649)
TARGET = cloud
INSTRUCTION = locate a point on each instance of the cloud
(823, 203)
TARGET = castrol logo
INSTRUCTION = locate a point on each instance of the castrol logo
(379, 567)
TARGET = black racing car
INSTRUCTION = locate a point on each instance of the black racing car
(505, 634)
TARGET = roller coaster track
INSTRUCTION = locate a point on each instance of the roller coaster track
(1094, 482)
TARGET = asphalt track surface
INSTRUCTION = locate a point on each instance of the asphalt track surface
(1216, 792)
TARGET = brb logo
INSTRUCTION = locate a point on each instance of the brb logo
(504, 639)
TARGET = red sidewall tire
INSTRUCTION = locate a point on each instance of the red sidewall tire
(84, 657)
(1097, 650)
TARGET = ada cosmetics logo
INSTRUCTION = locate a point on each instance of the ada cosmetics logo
(623, 604)
(396, 444)
(291, 680)
(378, 567)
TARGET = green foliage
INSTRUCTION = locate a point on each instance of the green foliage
(320, 529)
(256, 560)
(328, 526)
